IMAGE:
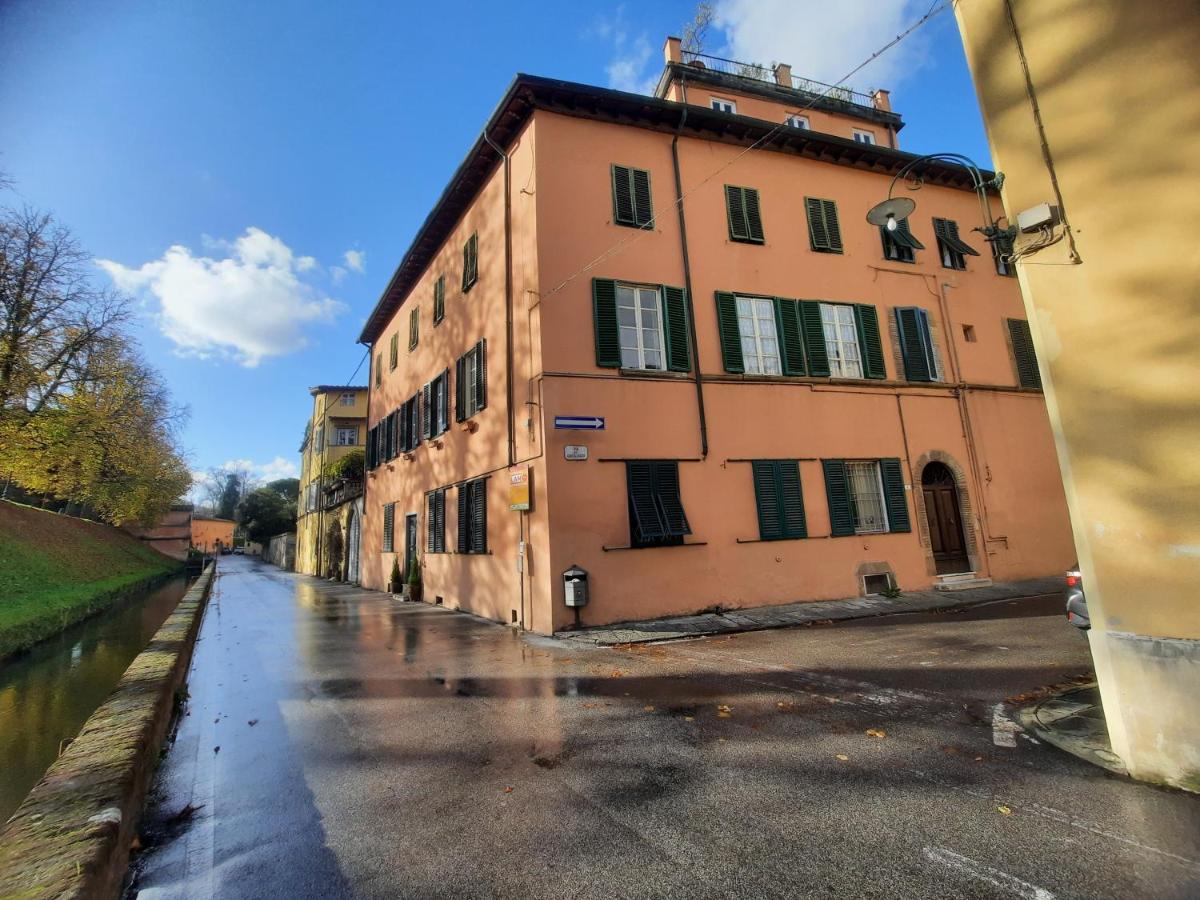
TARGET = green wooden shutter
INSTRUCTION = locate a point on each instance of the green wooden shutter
(731, 336)
(814, 338)
(675, 328)
(867, 320)
(825, 234)
(431, 522)
(791, 498)
(470, 262)
(1028, 375)
(916, 343)
(643, 511)
(439, 299)
(754, 225)
(478, 500)
(736, 209)
(464, 519)
(460, 389)
(643, 207)
(623, 213)
(893, 495)
(829, 209)
(604, 317)
(441, 521)
(389, 520)
(905, 237)
(427, 410)
(766, 497)
(837, 492)
(787, 323)
(481, 380)
(666, 496)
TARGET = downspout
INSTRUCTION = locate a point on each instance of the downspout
(964, 413)
(687, 283)
(508, 359)
(508, 300)
(366, 438)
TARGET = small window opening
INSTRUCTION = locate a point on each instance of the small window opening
(969, 333)
(876, 584)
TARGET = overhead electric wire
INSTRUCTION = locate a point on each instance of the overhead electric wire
(935, 9)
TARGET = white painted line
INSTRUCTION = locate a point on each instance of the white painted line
(977, 870)
(1004, 729)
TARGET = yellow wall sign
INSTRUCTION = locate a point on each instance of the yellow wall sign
(518, 488)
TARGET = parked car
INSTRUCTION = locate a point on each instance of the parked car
(225, 551)
(239, 551)
(1077, 611)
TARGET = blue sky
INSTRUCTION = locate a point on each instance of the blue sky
(253, 172)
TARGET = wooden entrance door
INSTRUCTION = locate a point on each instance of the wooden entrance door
(945, 521)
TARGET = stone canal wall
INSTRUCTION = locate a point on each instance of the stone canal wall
(71, 836)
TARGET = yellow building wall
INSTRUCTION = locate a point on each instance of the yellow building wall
(1116, 316)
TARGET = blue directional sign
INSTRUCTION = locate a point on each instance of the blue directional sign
(580, 423)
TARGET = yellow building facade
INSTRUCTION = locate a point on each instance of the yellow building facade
(324, 521)
(1091, 111)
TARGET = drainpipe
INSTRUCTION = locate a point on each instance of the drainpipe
(366, 437)
(508, 298)
(964, 413)
(687, 279)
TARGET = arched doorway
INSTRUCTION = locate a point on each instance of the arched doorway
(353, 534)
(945, 521)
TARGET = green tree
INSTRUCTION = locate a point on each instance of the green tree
(265, 513)
(287, 488)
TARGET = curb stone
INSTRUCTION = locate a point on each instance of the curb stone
(794, 614)
(71, 836)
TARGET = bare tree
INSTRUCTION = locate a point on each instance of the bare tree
(52, 317)
(695, 31)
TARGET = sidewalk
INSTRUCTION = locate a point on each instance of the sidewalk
(764, 617)
(1073, 721)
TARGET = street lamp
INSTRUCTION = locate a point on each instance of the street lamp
(888, 213)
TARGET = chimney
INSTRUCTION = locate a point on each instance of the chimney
(673, 51)
(880, 100)
(783, 74)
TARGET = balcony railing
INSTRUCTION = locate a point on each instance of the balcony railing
(340, 492)
(766, 74)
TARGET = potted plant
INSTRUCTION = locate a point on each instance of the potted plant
(394, 580)
(413, 589)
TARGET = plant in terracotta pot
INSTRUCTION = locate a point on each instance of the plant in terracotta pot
(413, 588)
(395, 580)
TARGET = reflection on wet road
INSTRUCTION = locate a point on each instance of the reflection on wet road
(342, 744)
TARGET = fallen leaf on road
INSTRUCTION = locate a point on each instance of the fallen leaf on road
(252, 722)
(217, 749)
(590, 705)
(616, 673)
(724, 712)
(843, 757)
(648, 709)
(877, 732)
(508, 790)
(1004, 810)
(689, 718)
(979, 759)
(786, 704)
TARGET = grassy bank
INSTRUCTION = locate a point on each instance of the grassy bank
(56, 571)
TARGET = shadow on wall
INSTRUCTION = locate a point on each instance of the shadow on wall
(1129, 407)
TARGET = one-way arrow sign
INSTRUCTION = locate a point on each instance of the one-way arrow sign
(580, 423)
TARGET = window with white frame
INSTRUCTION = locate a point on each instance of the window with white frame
(864, 137)
(798, 122)
(348, 399)
(639, 318)
(347, 437)
(760, 340)
(726, 106)
(841, 341)
(866, 493)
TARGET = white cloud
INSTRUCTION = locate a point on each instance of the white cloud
(337, 273)
(356, 260)
(260, 474)
(630, 68)
(279, 467)
(249, 305)
(823, 40)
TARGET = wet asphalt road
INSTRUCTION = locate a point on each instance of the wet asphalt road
(370, 748)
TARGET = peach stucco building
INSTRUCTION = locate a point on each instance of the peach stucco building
(211, 534)
(794, 406)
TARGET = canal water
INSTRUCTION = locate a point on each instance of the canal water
(47, 694)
